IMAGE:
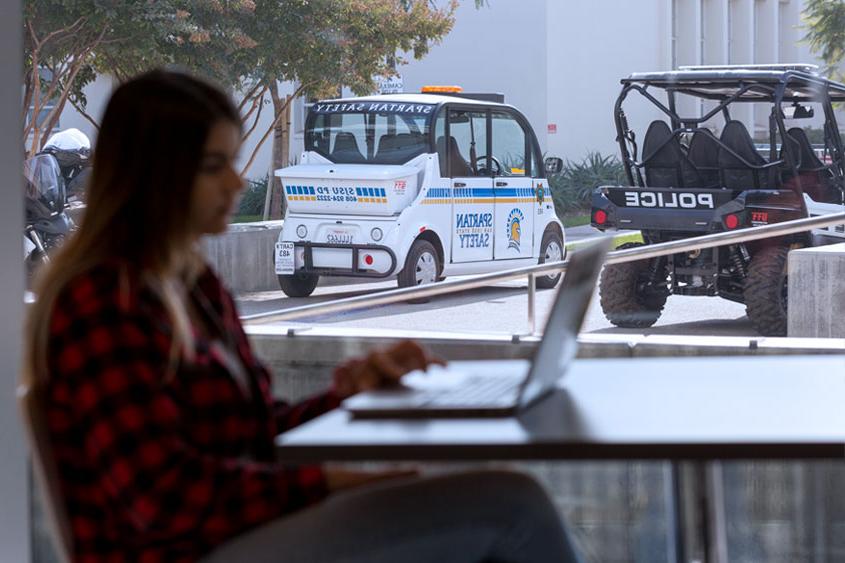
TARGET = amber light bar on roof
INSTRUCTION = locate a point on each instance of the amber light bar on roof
(435, 89)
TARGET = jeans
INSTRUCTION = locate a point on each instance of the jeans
(481, 516)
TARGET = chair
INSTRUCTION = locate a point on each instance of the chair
(400, 148)
(31, 403)
(736, 173)
(664, 161)
(814, 174)
(346, 149)
(703, 153)
(460, 167)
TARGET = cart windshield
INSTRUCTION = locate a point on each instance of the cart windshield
(369, 132)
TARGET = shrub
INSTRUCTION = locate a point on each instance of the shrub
(572, 189)
(252, 199)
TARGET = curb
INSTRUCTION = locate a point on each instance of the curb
(618, 239)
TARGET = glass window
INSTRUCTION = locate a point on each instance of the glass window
(468, 148)
(509, 146)
(368, 133)
(440, 143)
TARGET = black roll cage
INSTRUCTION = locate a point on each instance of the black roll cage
(774, 90)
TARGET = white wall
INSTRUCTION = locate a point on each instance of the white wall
(497, 48)
(591, 46)
(560, 61)
(14, 500)
(97, 93)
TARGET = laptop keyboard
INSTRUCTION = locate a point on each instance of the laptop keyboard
(475, 391)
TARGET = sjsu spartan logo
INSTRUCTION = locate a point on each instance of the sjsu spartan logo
(515, 218)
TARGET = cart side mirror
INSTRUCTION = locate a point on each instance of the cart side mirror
(553, 165)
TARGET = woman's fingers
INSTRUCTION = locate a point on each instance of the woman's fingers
(382, 367)
(387, 366)
(410, 355)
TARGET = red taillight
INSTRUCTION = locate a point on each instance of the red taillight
(368, 260)
(731, 221)
(600, 217)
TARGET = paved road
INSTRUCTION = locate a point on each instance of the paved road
(500, 308)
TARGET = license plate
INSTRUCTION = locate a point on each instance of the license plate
(28, 247)
(284, 258)
(339, 236)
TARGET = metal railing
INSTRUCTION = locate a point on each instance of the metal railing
(616, 257)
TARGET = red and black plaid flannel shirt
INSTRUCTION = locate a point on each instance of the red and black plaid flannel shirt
(155, 468)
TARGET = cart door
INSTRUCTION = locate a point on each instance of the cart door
(515, 201)
(463, 145)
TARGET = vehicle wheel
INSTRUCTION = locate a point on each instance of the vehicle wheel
(551, 250)
(298, 285)
(627, 297)
(765, 291)
(422, 266)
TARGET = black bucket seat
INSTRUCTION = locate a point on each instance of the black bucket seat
(400, 148)
(703, 153)
(346, 149)
(738, 164)
(460, 167)
(814, 174)
(665, 164)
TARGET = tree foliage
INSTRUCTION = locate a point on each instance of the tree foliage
(825, 24)
(248, 46)
(61, 39)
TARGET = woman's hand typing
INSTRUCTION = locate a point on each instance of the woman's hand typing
(381, 368)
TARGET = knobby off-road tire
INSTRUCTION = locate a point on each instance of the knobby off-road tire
(623, 299)
(422, 267)
(765, 291)
(551, 250)
(298, 285)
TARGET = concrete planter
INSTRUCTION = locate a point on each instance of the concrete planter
(243, 255)
(817, 292)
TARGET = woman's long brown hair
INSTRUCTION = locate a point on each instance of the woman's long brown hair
(147, 156)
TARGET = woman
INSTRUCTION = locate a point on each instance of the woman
(160, 417)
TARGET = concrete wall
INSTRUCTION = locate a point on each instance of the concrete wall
(591, 46)
(97, 93)
(14, 489)
(243, 255)
(498, 48)
(817, 292)
(302, 359)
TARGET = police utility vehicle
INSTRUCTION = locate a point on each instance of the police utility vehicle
(699, 171)
(417, 186)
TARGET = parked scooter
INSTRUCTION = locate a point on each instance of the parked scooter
(46, 198)
(72, 151)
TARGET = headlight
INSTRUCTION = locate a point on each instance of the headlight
(376, 234)
(302, 231)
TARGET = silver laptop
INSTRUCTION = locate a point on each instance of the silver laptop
(497, 387)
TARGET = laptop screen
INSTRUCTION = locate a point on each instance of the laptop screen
(560, 338)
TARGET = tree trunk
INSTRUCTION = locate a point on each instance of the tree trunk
(281, 151)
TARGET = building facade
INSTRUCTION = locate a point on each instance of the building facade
(560, 62)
